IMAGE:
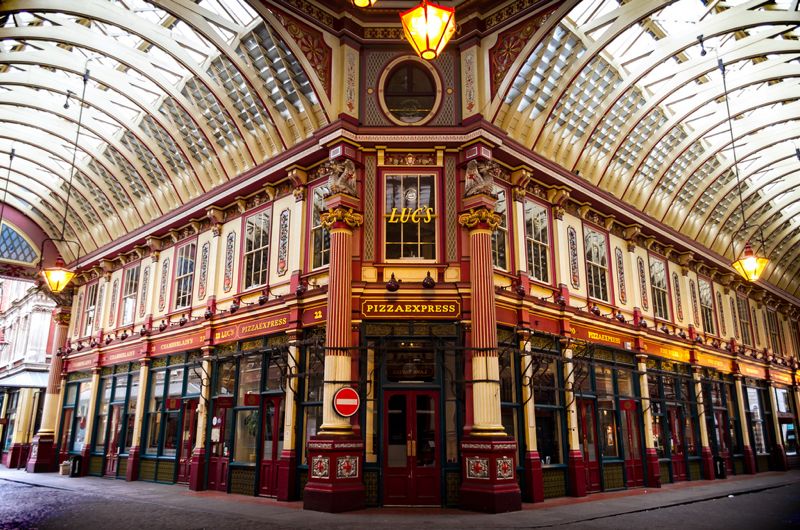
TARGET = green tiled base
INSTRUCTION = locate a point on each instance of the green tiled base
(555, 482)
(243, 481)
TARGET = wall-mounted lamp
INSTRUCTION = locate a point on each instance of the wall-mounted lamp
(392, 285)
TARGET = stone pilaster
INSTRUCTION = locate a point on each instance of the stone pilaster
(575, 464)
(488, 454)
(335, 454)
(534, 477)
(43, 453)
(287, 466)
(651, 456)
(198, 460)
(707, 460)
(134, 453)
(747, 448)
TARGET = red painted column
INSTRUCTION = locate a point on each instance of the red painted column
(489, 455)
(336, 453)
(43, 452)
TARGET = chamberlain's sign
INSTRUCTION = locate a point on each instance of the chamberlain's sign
(445, 309)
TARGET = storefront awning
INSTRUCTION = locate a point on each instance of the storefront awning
(25, 380)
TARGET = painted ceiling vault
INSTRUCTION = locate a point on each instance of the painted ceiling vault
(183, 96)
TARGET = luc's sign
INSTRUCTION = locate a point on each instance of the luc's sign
(415, 215)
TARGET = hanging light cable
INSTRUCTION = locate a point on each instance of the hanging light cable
(749, 264)
(58, 275)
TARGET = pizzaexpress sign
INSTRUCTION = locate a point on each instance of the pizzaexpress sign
(414, 308)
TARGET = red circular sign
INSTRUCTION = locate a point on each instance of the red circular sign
(346, 402)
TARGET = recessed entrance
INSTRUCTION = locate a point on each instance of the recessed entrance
(411, 448)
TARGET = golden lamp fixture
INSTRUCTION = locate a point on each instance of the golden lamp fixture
(428, 27)
(57, 276)
(750, 265)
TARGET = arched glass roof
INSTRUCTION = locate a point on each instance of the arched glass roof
(630, 96)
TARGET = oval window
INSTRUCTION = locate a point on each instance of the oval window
(410, 92)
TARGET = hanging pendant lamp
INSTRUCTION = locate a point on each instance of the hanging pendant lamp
(749, 265)
(428, 27)
(364, 3)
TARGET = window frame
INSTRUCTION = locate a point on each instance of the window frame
(531, 241)
(502, 229)
(662, 292)
(711, 308)
(744, 324)
(774, 331)
(608, 269)
(436, 216)
(134, 294)
(177, 277)
(243, 269)
(87, 319)
(315, 230)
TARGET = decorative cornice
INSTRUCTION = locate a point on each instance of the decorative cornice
(481, 216)
(341, 215)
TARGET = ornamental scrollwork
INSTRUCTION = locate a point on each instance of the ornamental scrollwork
(474, 217)
(341, 215)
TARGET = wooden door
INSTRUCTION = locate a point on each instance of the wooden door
(722, 438)
(114, 432)
(634, 466)
(411, 448)
(587, 431)
(186, 443)
(677, 445)
(272, 444)
(219, 454)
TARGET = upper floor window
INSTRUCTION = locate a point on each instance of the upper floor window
(410, 218)
(89, 310)
(537, 241)
(774, 332)
(500, 236)
(706, 305)
(596, 263)
(184, 275)
(320, 237)
(659, 288)
(256, 250)
(130, 285)
(744, 320)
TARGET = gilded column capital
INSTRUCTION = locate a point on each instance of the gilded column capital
(341, 215)
(480, 217)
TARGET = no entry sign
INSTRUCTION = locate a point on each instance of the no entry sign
(346, 402)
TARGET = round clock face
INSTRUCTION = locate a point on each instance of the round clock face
(411, 197)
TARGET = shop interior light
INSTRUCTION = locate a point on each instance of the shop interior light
(428, 27)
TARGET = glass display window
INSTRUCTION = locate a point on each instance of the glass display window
(410, 217)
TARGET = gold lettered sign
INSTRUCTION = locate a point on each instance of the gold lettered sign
(415, 215)
(752, 371)
(717, 363)
(251, 328)
(121, 356)
(781, 377)
(439, 309)
(667, 351)
(82, 363)
(178, 343)
(601, 336)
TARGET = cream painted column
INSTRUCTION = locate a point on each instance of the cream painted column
(3, 410)
(481, 221)
(529, 409)
(92, 411)
(707, 462)
(575, 463)
(43, 456)
(341, 221)
(22, 425)
(747, 449)
(289, 397)
(141, 403)
(651, 456)
(205, 399)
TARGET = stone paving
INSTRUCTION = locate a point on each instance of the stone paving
(48, 500)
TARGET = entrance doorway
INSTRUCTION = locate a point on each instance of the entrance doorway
(115, 430)
(677, 443)
(188, 431)
(219, 454)
(273, 444)
(411, 448)
(588, 436)
(634, 467)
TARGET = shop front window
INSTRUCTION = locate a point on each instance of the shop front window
(756, 419)
(102, 414)
(548, 401)
(133, 397)
(82, 417)
(312, 396)
(410, 217)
